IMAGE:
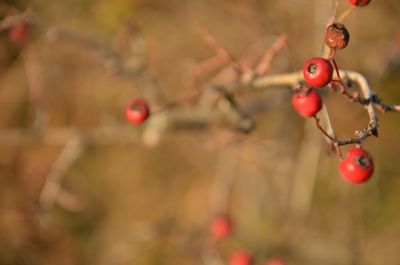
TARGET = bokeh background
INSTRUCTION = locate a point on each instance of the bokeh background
(129, 197)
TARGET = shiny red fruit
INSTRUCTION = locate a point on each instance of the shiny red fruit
(357, 167)
(19, 34)
(306, 101)
(137, 111)
(359, 2)
(275, 261)
(221, 227)
(240, 258)
(318, 72)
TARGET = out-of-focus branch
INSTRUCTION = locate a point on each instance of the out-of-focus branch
(221, 193)
(265, 62)
(252, 78)
(305, 172)
(34, 74)
(107, 56)
(60, 135)
(16, 18)
(285, 80)
(52, 186)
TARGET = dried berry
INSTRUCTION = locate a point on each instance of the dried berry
(337, 36)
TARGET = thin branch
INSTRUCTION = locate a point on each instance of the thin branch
(221, 58)
(327, 135)
(305, 172)
(212, 43)
(269, 55)
(221, 192)
(52, 186)
(11, 20)
(369, 101)
(345, 14)
(106, 55)
(34, 74)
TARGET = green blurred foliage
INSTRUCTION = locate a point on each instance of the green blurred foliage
(110, 14)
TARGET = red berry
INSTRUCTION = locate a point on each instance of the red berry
(318, 72)
(221, 227)
(18, 34)
(359, 2)
(240, 258)
(306, 101)
(275, 261)
(357, 167)
(137, 111)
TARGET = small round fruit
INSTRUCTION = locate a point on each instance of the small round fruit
(19, 33)
(306, 101)
(357, 167)
(221, 227)
(337, 36)
(240, 258)
(137, 111)
(359, 2)
(318, 72)
(275, 261)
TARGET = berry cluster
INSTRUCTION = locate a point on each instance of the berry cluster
(221, 228)
(318, 72)
(357, 166)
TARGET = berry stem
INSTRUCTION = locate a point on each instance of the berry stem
(179, 100)
(333, 140)
(343, 88)
(345, 14)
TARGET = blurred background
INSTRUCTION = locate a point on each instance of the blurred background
(78, 185)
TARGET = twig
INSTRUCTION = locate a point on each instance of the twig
(221, 192)
(292, 79)
(212, 43)
(327, 135)
(106, 55)
(220, 59)
(60, 135)
(12, 20)
(52, 186)
(70, 201)
(34, 74)
(345, 14)
(305, 172)
(328, 123)
(269, 55)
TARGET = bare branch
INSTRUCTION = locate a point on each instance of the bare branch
(266, 60)
(212, 43)
(52, 186)
(34, 74)
(369, 100)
